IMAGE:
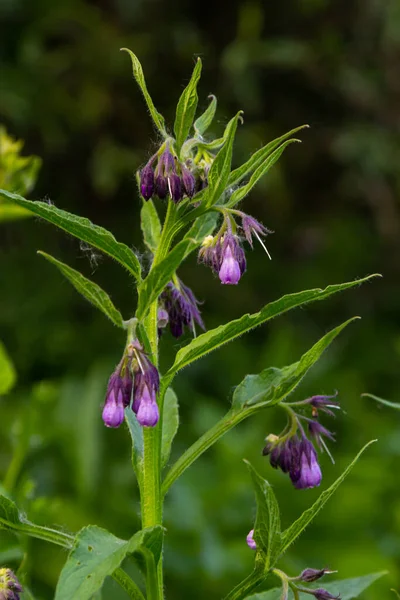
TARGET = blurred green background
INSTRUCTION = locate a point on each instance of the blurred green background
(333, 203)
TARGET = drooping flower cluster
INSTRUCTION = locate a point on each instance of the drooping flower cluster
(293, 452)
(224, 252)
(10, 587)
(178, 306)
(165, 175)
(135, 382)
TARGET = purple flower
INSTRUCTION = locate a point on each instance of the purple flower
(161, 187)
(252, 227)
(321, 594)
(182, 308)
(147, 181)
(162, 318)
(189, 182)
(317, 431)
(305, 471)
(233, 261)
(310, 575)
(10, 587)
(113, 411)
(323, 403)
(145, 403)
(250, 540)
(175, 187)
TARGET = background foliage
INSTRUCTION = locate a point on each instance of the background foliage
(333, 204)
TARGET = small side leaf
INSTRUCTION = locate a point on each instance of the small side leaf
(267, 528)
(220, 169)
(186, 108)
(293, 532)
(81, 228)
(272, 385)
(170, 424)
(140, 80)
(264, 167)
(259, 157)
(8, 375)
(213, 339)
(91, 291)
(150, 224)
(347, 588)
(136, 432)
(395, 405)
(96, 554)
(204, 121)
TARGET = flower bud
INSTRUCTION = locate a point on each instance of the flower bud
(310, 575)
(161, 187)
(250, 540)
(10, 587)
(147, 182)
(321, 594)
(113, 411)
(147, 413)
(175, 187)
(189, 182)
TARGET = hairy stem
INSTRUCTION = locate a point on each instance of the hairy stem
(127, 584)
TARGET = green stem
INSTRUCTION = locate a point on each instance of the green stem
(127, 584)
(231, 419)
(14, 469)
(246, 586)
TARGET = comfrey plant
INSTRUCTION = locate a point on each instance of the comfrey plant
(190, 180)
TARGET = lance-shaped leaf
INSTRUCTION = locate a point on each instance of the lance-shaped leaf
(272, 385)
(140, 80)
(204, 121)
(219, 173)
(293, 532)
(170, 424)
(12, 520)
(90, 290)
(267, 528)
(8, 375)
(395, 405)
(81, 228)
(259, 157)
(150, 224)
(213, 339)
(161, 274)
(97, 553)
(347, 588)
(186, 108)
(265, 166)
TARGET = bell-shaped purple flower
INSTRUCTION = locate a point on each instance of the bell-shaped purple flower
(189, 182)
(161, 187)
(250, 540)
(229, 272)
(147, 181)
(305, 471)
(147, 412)
(113, 411)
(10, 587)
(182, 308)
(175, 187)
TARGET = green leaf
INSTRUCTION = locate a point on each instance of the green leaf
(264, 167)
(8, 375)
(97, 553)
(186, 109)
(272, 384)
(202, 227)
(267, 528)
(219, 173)
(83, 229)
(136, 432)
(293, 532)
(161, 274)
(170, 424)
(213, 339)
(259, 157)
(204, 121)
(12, 520)
(91, 291)
(395, 405)
(151, 226)
(347, 588)
(140, 80)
